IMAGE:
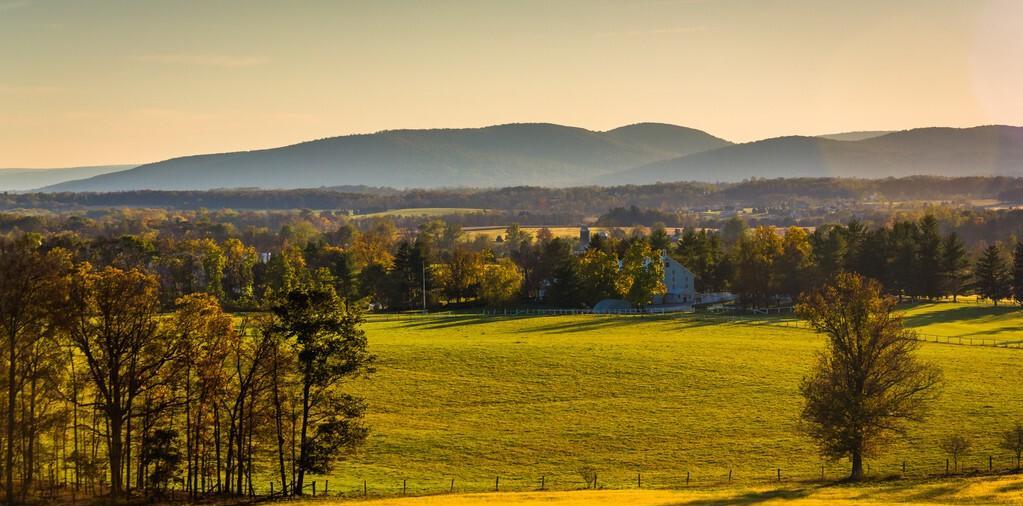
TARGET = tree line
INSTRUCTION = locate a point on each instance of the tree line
(107, 394)
(438, 264)
(582, 200)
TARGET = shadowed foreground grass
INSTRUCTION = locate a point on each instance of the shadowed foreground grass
(962, 491)
(1005, 490)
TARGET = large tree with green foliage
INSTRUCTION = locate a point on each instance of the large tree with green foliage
(330, 347)
(867, 383)
(643, 272)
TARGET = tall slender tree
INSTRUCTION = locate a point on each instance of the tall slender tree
(330, 348)
(954, 266)
(32, 286)
(992, 278)
(113, 323)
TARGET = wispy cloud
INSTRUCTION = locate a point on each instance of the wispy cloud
(16, 4)
(204, 60)
(652, 31)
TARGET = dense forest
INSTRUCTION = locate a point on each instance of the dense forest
(583, 200)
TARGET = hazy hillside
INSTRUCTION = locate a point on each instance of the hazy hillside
(855, 136)
(504, 155)
(987, 150)
(29, 179)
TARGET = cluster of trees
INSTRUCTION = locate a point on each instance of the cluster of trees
(106, 393)
(247, 260)
(910, 258)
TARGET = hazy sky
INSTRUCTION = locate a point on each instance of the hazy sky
(94, 82)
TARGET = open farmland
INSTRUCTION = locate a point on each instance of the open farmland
(471, 398)
(566, 232)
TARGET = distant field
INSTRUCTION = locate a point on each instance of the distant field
(1002, 490)
(422, 211)
(572, 232)
(471, 398)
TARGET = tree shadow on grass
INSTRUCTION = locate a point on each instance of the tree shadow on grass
(569, 327)
(751, 498)
(427, 323)
(977, 315)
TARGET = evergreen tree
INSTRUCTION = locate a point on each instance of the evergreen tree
(954, 266)
(928, 254)
(903, 242)
(992, 275)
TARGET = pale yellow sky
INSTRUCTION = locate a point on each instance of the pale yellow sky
(93, 82)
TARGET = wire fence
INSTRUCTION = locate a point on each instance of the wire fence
(700, 477)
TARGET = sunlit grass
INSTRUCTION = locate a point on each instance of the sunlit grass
(1005, 490)
(470, 399)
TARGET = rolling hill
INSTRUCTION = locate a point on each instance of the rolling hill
(502, 155)
(28, 179)
(985, 150)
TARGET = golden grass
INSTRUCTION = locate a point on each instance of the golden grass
(1003, 490)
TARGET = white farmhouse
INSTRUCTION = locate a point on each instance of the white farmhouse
(678, 283)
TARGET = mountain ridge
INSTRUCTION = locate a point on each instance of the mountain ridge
(941, 151)
(498, 155)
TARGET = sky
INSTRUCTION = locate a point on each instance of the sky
(89, 82)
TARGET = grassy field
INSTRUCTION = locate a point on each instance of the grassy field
(471, 398)
(1001, 490)
(421, 211)
(566, 232)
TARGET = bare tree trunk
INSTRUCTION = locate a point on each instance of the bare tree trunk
(278, 422)
(115, 440)
(127, 451)
(241, 444)
(857, 465)
(189, 488)
(302, 448)
(74, 407)
(216, 441)
(12, 404)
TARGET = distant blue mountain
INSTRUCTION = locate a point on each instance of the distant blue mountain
(503, 155)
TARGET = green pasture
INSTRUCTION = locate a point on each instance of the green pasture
(473, 398)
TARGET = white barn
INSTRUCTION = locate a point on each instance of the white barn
(678, 283)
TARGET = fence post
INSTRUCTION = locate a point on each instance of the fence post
(639, 481)
(946, 467)
(729, 475)
(497, 484)
(271, 489)
(822, 472)
(779, 474)
(365, 489)
(542, 479)
(903, 467)
(687, 478)
(314, 488)
(326, 487)
(404, 486)
(990, 463)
